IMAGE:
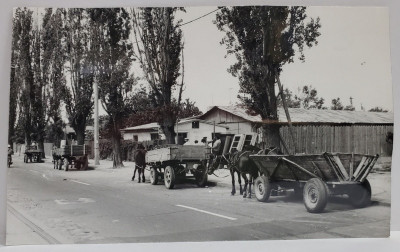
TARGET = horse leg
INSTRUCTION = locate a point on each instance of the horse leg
(143, 178)
(233, 181)
(240, 183)
(246, 181)
(250, 182)
(134, 173)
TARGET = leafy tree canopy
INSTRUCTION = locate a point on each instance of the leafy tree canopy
(263, 39)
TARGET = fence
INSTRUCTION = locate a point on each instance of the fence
(365, 139)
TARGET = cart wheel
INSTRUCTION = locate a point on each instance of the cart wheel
(60, 163)
(315, 195)
(85, 163)
(201, 176)
(262, 188)
(360, 196)
(153, 176)
(169, 177)
(66, 164)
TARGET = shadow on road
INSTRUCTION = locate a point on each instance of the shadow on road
(335, 203)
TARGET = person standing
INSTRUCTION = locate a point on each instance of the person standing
(10, 152)
(216, 145)
(140, 162)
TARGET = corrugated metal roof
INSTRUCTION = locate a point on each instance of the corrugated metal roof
(299, 115)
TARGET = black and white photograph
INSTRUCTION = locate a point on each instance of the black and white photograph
(199, 124)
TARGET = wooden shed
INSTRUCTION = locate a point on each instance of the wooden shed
(316, 131)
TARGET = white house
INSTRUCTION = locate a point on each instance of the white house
(196, 129)
(190, 128)
(145, 132)
(234, 118)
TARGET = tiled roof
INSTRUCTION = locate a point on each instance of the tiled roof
(299, 115)
(149, 126)
(192, 119)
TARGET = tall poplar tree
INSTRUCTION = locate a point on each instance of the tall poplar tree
(263, 39)
(77, 93)
(111, 29)
(158, 43)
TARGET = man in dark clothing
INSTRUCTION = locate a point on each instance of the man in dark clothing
(10, 152)
(140, 162)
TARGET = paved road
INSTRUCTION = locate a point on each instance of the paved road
(102, 205)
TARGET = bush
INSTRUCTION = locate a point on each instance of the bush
(127, 148)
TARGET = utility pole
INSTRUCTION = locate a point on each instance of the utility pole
(96, 124)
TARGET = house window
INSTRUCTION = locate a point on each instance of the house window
(154, 136)
(195, 125)
(182, 135)
(135, 138)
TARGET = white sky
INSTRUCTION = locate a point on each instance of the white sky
(352, 58)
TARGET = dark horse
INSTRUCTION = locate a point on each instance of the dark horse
(140, 162)
(241, 163)
(224, 159)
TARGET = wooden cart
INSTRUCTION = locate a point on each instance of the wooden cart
(71, 156)
(316, 177)
(174, 161)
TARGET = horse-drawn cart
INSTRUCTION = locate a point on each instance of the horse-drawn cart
(33, 154)
(69, 156)
(316, 177)
(174, 161)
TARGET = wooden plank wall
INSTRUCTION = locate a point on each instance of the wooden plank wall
(313, 139)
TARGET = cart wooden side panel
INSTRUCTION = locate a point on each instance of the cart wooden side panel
(333, 167)
(73, 150)
(176, 152)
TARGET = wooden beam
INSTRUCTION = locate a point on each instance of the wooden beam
(301, 168)
(286, 112)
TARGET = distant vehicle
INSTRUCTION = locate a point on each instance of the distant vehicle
(71, 156)
(33, 154)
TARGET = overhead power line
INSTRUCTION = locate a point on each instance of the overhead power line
(199, 17)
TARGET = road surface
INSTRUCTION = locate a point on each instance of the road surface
(103, 205)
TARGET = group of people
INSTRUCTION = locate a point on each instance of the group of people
(215, 144)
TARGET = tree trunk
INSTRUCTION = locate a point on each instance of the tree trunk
(271, 135)
(116, 142)
(80, 136)
(167, 126)
(41, 147)
(79, 129)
